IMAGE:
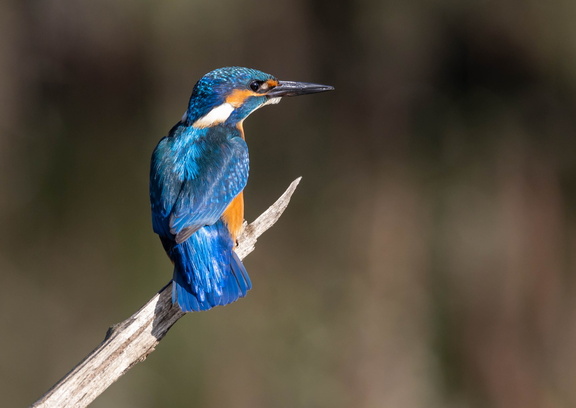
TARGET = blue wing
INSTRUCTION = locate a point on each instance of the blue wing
(194, 178)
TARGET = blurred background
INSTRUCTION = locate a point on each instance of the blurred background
(426, 260)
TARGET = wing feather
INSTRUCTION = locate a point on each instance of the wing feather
(187, 196)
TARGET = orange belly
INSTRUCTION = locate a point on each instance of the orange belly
(233, 216)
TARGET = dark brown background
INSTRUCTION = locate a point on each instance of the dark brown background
(426, 260)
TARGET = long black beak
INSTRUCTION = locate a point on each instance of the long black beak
(290, 88)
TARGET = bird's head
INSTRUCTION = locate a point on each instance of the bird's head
(229, 95)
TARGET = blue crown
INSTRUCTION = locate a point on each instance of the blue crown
(214, 87)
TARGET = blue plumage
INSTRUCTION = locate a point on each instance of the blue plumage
(206, 266)
(197, 174)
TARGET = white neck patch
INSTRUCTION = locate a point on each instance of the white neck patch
(217, 115)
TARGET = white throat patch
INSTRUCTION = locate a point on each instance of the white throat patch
(272, 101)
(217, 115)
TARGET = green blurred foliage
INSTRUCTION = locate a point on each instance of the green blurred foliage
(426, 260)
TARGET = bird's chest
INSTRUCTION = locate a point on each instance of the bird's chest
(233, 216)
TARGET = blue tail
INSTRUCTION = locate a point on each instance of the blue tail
(207, 271)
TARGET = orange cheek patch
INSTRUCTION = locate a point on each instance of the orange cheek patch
(238, 96)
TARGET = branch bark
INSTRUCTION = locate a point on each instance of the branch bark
(131, 341)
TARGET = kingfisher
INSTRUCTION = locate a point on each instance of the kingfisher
(197, 176)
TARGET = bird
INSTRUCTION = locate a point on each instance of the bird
(197, 176)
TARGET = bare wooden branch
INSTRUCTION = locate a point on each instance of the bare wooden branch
(131, 341)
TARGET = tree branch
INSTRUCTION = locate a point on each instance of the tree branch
(131, 341)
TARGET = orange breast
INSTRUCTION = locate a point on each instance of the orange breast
(233, 216)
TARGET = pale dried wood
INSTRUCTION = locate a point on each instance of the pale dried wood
(131, 341)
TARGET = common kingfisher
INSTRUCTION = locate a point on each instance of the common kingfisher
(197, 176)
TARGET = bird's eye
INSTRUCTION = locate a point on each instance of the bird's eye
(255, 85)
